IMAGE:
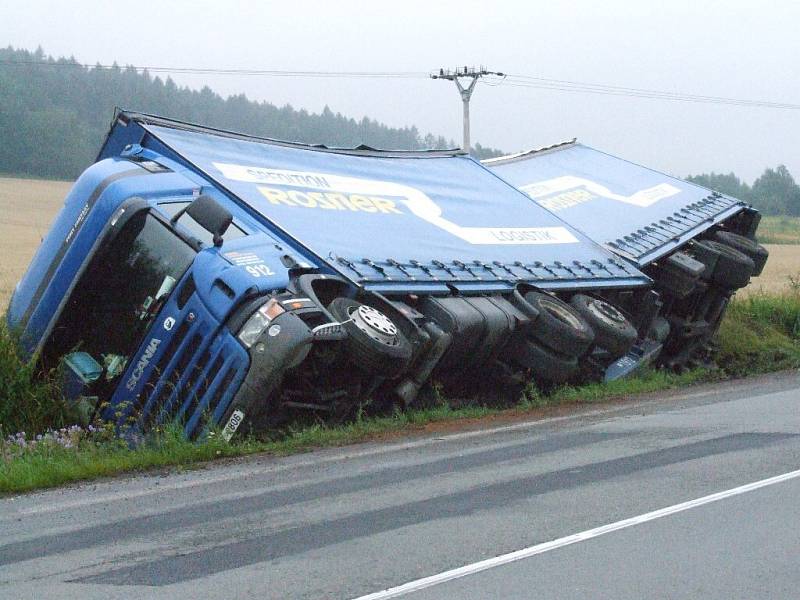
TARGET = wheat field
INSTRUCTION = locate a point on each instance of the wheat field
(782, 272)
(28, 206)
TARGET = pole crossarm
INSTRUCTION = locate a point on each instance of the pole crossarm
(465, 91)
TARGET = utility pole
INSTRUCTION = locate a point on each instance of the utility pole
(466, 92)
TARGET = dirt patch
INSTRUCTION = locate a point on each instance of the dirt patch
(27, 208)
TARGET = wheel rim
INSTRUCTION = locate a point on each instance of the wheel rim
(605, 312)
(562, 314)
(374, 324)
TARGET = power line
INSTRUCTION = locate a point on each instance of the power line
(214, 71)
(519, 81)
(613, 90)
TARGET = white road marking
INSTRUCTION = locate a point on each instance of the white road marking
(98, 498)
(504, 559)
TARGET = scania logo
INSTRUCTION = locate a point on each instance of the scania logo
(140, 367)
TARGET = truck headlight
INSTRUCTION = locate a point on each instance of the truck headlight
(259, 321)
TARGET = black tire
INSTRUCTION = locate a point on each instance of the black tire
(612, 331)
(544, 363)
(733, 269)
(559, 326)
(757, 253)
(380, 352)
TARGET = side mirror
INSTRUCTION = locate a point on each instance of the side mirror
(210, 215)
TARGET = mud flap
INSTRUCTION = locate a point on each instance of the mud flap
(639, 356)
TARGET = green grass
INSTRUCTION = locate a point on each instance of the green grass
(50, 465)
(779, 230)
(644, 382)
(28, 402)
(760, 334)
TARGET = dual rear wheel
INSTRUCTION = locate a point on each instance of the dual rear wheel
(737, 259)
(750, 248)
(563, 333)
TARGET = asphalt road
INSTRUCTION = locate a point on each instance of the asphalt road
(356, 521)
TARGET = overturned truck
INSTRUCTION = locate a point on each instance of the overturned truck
(217, 279)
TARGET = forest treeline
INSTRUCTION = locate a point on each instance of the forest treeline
(54, 116)
(775, 192)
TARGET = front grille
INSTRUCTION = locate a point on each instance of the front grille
(195, 379)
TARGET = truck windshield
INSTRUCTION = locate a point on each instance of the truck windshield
(119, 294)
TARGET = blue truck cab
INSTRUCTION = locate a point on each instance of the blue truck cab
(217, 279)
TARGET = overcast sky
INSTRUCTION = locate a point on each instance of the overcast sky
(732, 48)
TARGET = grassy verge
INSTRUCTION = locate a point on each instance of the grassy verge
(760, 334)
(51, 463)
(27, 402)
(779, 230)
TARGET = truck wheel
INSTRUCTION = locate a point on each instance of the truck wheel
(757, 253)
(559, 326)
(374, 343)
(612, 331)
(544, 363)
(733, 269)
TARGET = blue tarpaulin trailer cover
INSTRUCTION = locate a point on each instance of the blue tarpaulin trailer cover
(385, 219)
(637, 212)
